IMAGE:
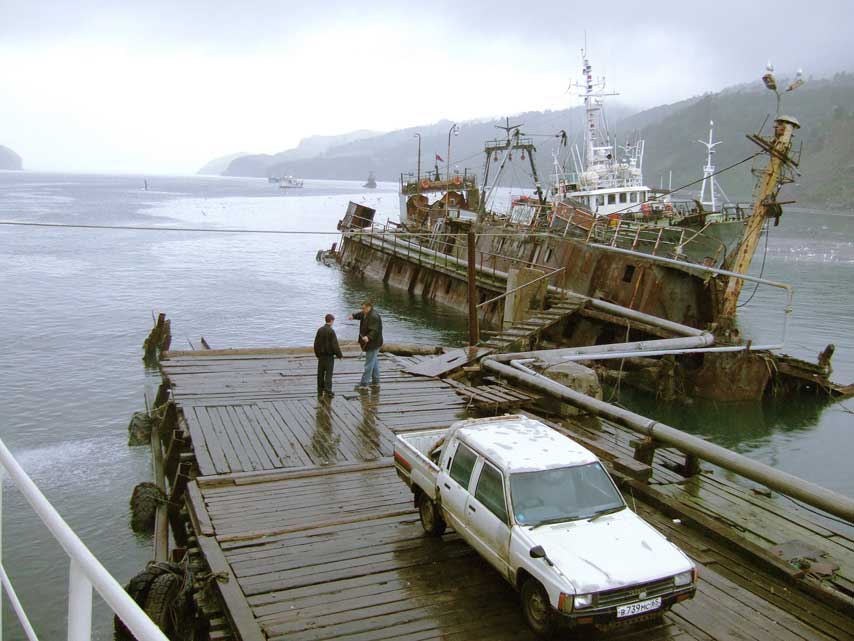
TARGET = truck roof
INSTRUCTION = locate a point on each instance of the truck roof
(520, 444)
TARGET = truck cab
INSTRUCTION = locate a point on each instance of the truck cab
(544, 512)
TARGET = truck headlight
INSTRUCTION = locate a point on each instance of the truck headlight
(683, 578)
(583, 601)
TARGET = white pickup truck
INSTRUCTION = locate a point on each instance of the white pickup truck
(544, 512)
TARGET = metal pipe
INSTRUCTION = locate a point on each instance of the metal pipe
(634, 348)
(687, 265)
(667, 352)
(137, 621)
(79, 604)
(649, 319)
(17, 608)
(809, 493)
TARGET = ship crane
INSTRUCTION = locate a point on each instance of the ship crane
(514, 139)
(709, 179)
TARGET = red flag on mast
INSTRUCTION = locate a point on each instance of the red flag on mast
(439, 158)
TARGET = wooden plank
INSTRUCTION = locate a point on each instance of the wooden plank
(237, 608)
(198, 510)
(446, 363)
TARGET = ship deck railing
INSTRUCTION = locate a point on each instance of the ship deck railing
(655, 240)
(85, 571)
(411, 182)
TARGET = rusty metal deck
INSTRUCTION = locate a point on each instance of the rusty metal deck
(298, 509)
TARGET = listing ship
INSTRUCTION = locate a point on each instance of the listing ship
(598, 233)
(371, 182)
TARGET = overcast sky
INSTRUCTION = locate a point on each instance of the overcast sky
(163, 86)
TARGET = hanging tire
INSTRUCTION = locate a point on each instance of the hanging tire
(163, 604)
(139, 588)
(536, 609)
(143, 505)
(431, 516)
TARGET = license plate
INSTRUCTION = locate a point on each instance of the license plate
(638, 608)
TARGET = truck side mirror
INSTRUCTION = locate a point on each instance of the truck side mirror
(537, 552)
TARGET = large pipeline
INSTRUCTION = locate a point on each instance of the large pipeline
(810, 493)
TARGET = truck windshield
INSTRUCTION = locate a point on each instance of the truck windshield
(562, 494)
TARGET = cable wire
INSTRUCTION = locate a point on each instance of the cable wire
(762, 270)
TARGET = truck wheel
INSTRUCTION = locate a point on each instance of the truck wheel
(431, 516)
(536, 608)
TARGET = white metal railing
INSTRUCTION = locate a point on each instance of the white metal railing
(85, 571)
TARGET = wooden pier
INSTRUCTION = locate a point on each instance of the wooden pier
(299, 528)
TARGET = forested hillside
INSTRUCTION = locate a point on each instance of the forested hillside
(671, 133)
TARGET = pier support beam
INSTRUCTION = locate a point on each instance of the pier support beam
(474, 330)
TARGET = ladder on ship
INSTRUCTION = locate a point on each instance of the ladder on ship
(524, 335)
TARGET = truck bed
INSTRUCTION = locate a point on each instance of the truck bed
(411, 460)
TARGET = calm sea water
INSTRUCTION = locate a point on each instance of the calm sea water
(77, 305)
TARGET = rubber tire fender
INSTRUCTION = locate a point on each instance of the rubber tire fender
(162, 606)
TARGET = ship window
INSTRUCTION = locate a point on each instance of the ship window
(612, 199)
(622, 196)
(629, 273)
(600, 200)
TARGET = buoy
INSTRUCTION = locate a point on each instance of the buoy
(425, 183)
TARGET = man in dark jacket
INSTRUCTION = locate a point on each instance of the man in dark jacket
(370, 339)
(326, 349)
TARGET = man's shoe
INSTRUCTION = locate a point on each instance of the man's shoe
(361, 387)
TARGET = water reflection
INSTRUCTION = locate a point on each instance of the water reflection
(738, 426)
(324, 442)
(367, 434)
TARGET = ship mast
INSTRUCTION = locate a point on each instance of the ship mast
(598, 150)
(709, 170)
(772, 178)
(777, 173)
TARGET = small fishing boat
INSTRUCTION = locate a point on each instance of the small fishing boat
(289, 182)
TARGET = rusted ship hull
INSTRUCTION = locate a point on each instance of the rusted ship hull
(667, 293)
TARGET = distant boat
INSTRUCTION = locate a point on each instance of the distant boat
(273, 179)
(372, 181)
(288, 182)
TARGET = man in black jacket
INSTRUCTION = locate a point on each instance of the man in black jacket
(326, 349)
(370, 339)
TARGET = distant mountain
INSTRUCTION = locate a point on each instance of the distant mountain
(387, 155)
(670, 132)
(9, 160)
(825, 138)
(262, 165)
(218, 165)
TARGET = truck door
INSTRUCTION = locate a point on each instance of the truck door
(487, 517)
(454, 481)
